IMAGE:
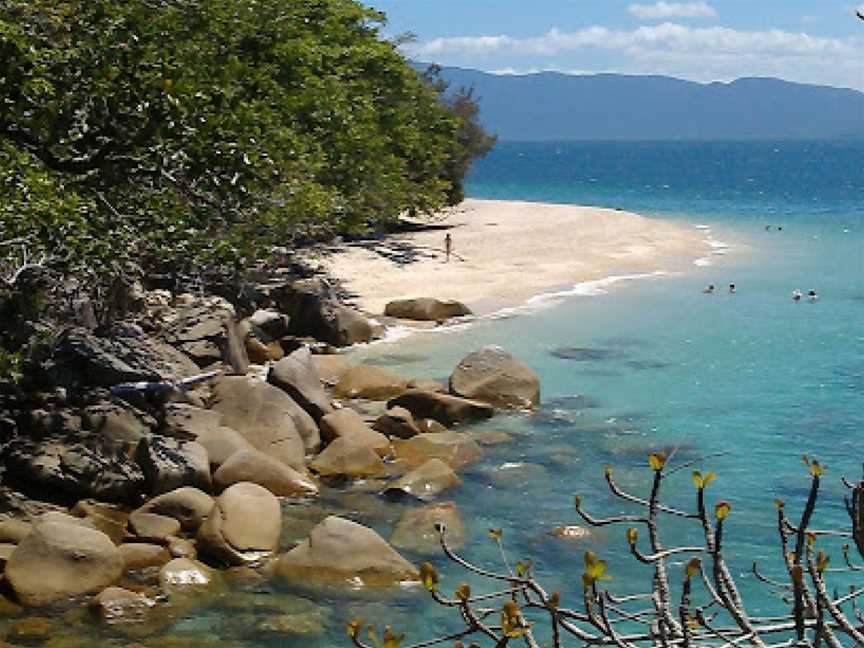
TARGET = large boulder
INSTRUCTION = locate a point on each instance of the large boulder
(396, 422)
(206, 332)
(426, 481)
(340, 550)
(172, 463)
(444, 408)
(345, 423)
(258, 468)
(73, 467)
(370, 382)
(313, 310)
(416, 530)
(453, 448)
(60, 559)
(124, 354)
(265, 416)
(189, 506)
(205, 427)
(297, 376)
(494, 376)
(426, 309)
(345, 457)
(243, 527)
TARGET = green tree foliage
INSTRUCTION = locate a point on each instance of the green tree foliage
(190, 132)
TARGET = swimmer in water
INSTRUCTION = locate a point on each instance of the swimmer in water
(812, 296)
(732, 288)
(797, 295)
(708, 289)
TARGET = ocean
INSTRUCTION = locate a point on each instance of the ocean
(742, 384)
(750, 380)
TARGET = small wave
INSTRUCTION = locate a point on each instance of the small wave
(703, 262)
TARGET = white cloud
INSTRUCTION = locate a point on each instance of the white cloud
(666, 10)
(702, 54)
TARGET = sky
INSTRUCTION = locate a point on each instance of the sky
(809, 41)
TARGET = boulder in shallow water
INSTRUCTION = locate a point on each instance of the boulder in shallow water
(416, 530)
(265, 416)
(243, 527)
(370, 382)
(426, 309)
(297, 376)
(60, 559)
(140, 555)
(346, 457)
(444, 408)
(453, 448)
(426, 481)
(258, 468)
(184, 574)
(339, 550)
(494, 376)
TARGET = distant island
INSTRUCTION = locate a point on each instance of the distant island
(552, 106)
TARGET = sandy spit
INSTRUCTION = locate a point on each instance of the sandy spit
(505, 252)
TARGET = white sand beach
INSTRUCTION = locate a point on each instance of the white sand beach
(505, 252)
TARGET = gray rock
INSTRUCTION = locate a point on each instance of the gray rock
(172, 463)
(204, 426)
(207, 333)
(125, 354)
(297, 376)
(119, 423)
(76, 467)
(494, 376)
(313, 310)
(426, 309)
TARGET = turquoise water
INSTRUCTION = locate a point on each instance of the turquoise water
(753, 375)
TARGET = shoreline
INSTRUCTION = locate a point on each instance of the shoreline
(499, 265)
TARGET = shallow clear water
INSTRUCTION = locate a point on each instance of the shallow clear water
(753, 375)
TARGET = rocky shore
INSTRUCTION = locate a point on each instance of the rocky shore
(149, 466)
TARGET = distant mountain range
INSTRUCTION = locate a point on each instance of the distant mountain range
(552, 106)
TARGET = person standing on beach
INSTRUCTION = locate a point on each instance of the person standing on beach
(448, 246)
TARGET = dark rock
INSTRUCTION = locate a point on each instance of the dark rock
(171, 463)
(312, 309)
(297, 376)
(584, 354)
(125, 354)
(396, 422)
(444, 408)
(426, 309)
(68, 468)
(119, 424)
(207, 333)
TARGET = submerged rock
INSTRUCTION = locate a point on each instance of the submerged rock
(339, 550)
(416, 530)
(453, 448)
(426, 481)
(585, 354)
(494, 376)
